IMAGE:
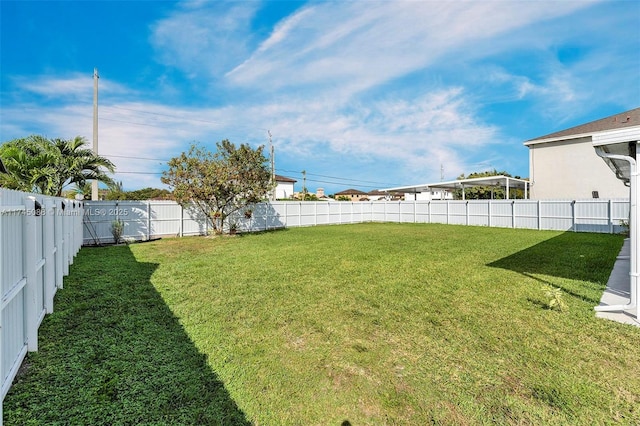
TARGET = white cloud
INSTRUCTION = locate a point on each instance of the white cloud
(330, 82)
(351, 48)
(73, 86)
(421, 133)
(205, 37)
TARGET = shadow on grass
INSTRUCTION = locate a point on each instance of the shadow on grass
(575, 256)
(113, 353)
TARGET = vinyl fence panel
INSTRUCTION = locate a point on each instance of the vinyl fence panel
(525, 214)
(149, 219)
(39, 236)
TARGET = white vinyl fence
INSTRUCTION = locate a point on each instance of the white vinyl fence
(145, 220)
(39, 236)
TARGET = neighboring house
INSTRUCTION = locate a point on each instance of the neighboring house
(321, 195)
(356, 195)
(352, 195)
(377, 195)
(284, 187)
(429, 195)
(565, 165)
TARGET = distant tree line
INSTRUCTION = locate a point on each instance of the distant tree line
(117, 193)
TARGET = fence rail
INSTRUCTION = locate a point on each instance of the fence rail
(39, 236)
(145, 220)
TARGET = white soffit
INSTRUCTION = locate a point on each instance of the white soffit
(617, 136)
(618, 142)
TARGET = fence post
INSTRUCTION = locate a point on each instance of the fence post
(149, 220)
(58, 237)
(69, 240)
(286, 215)
(49, 259)
(513, 214)
(429, 211)
(466, 212)
(539, 215)
(79, 227)
(181, 230)
(65, 239)
(447, 212)
(573, 215)
(29, 265)
(610, 215)
(206, 221)
(76, 231)
(489, 213)
(73, 231)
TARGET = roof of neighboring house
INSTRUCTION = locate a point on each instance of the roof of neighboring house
(351, 192)
(617, 121)
(284, 179)
(377, 192)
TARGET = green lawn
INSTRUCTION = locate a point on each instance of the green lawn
(367, 324)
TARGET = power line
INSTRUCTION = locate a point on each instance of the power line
(178, 117)
(136, 158)
(309, 180)
(168, 125)
(139, 173)
(337, 179)
(340, 178)
(171, 116)
(134, 123)
(341, 183)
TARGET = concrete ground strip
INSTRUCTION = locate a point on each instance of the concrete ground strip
(618, 290)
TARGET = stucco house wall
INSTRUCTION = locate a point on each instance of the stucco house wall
(284, 187)
(284, 190)
(564, 164)
(351, 194)
(571, 169)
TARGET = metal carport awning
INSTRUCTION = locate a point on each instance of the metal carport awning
(501, 181)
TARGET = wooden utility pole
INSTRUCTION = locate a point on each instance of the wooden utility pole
(273, 168)
(94, 183)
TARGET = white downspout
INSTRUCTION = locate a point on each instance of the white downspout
(633, 234)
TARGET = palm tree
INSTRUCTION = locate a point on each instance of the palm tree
(79, 164)
(28, 165)
(37, 164)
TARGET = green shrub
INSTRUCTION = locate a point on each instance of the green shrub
(117, 229)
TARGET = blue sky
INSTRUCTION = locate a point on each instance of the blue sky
(360, 94)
